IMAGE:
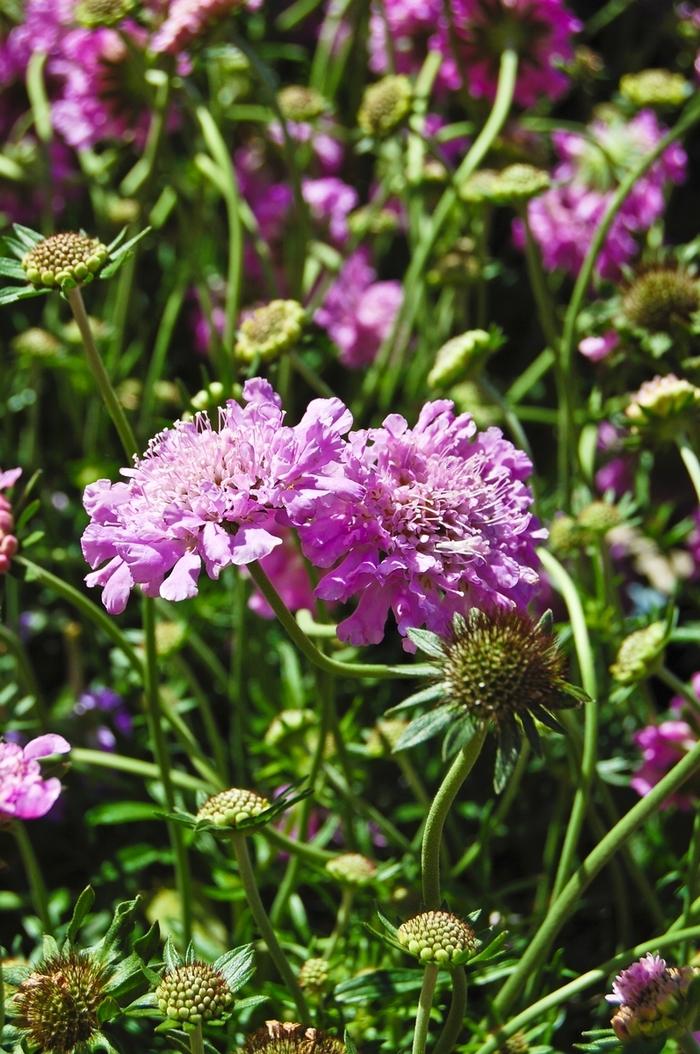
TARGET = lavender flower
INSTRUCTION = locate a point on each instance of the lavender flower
(330, 203)
(287, 571)
(186, 20)
(653, 999)
(92, 705)
(662, 746)
(443, 524)
(213, 497)
(24, 794)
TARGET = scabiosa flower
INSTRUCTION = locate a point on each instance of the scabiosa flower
(288, 1037)
(352, 869)
(663, 406)
(314, 976)
(655, 87)
(65, 260)
(93, 13)
(595, 349)
(409, 24)
(385, 105)
(617, 474)
(8, 540)
(661, 297)
(269, 331)
(444, 524)
(653, 999)
(24, 794)
(512, 185)
(193, 992)
(640, 654)
(473, 39)
(99, 701)
(662, 746)
(232, 807)
(438, 937)
(201, 496)
(187, 20)
(57, 1005)
(330, 202)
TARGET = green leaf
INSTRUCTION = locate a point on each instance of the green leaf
(545, 718)
(83, 906)
(120, 812)
(147, 945)
(428, 642)
(426, 726)
(531, 732)
(506, 755)
(385, 986)
(171, 956)
(237, 966)
(458, 736)
(10, 294)
(10, 268)
(27, 236)
(425, 695)
(120, 925)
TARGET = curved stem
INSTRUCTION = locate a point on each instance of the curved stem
(435, 821)
(119, 763)
(680, 688)
(563, 907)
(305, 850)
(425, 1002)
(309, 649)
(37, 886)
(342, 920)
(257, 910)
(690, 460)
(564, 584)
(455, 1018)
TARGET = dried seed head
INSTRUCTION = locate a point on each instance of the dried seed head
(231, 807)
(516, 1044)
(660, 298)
(655, 87)
(299, 103)
(287, 1037)
(438, 937)
(512, 185)
(352, 869)
(385, 105)
(194, 992)
(313, 975)
(459, 356)
(270, 331)
(64, 260)
(57, 1004)
(640, 654)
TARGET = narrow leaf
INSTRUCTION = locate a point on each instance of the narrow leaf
(425, 726)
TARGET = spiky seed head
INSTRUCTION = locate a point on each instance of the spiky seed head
(385, 105)
(36, 343)
(565, 535)
(663, 406)
(663, 1007)
(499, 665)
(194, 992)
(437, 937)
(313, 975)
(458, 357)
(288, 1037)
(516, 1044)
(513, 185)
(640, 654)
(598, 517)
(231, 807)
(655, 87)
(661, 298)
(57, 1004)
(385, 735)
(299, 103)
(64, 261)
(352, 869)
(270, 331)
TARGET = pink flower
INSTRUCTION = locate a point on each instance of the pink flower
(598, 348)
(617, 474)
(8, 541)
(330, 202)
(662, 746)
(694, 543)
(24, 795)
(442, 524)
(186, 20)
(630, 986)
(202, 496)
(410, 24)
(287, 571)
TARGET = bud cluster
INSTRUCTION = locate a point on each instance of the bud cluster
(640, 654)
(269, 331)
(231, 807)
(385, 105)
(438, 937)
(64, 260)
(193, 992)
(661, 297)
(313, 975)
(352, 869)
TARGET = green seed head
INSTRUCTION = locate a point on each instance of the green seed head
(516, 1044)
(385, 105)
(232, 807)
(64, 261)
(655, 88)
(458, 357)
(57, 1005)
(270, 331)
(664, 406)
(313, 975)
(565, 535)
(598, 518)
(368, 220)
(299, 103)
(92, 13)
(512, 185)
(193, 992)
(288, 1037)
(661, 298)
(640, 654)
(437, 937)
(352, 869)
(36, 343)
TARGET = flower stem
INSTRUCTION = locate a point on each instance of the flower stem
(563, 907)
(425, 1002)
(99, 373)
(454, 1022)
(690, 460)
(435, 821)
(309, 649)
(342, 920)
(37, 886)
(103, 759)
(197, 1040)
(680, 688)
(245, 869)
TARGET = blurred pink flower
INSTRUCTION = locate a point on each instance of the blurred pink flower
(24, 794)
(8, 540)
(662, 746)
(286, 569)
(598, 348)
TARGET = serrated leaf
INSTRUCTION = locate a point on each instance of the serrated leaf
(147, 945)
(83, 906)
(457, 736)
(121, 923)
(237, 966)
(425, 727)
(171, 956)
(428, 642)
(27, 236)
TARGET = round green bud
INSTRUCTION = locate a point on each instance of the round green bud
(36, 343)
(231, 807)
(121, 211)
(655, 87)
(640, 654)
(314, 975)
(438, 937)
(385, 105)
(193, 992)
(270, 331)
(661, 298)
(299, 103)
(565, 535)
(599, 517)
(64, 261)
(513, 185)
(459, 356)
(170, 636)
(352, 869)
(57, 1004)
(289, 723)
(205, 398)
(129, 393)
(368, 220)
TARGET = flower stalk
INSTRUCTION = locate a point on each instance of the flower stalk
(37, 886)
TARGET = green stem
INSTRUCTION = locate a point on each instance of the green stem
(80, 756)
(257, 910)
(26, 673)
(691, 883)
(342, 920)
(313, 853)
(435, 822)
(563, 908)
(197, 1040)
(37, 886)
(309, 649)
(538, 284)
(680, 688)
(99, 373)
(454, 1022)
(564, 584)
(425, 1003)
(690, 460)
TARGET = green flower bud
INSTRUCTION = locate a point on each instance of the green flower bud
(565, 535)
(288, 1037)
(205, 398)
(270, 331)
(289, 723)
(299, 103)
(231, 807)
(313, 975)
(367, 220)
(385, 105)
(352, 869)
(664, 406)
(661, 298)
(655, 88)
(513, 185)
(598, 518)
(36, 343)
(92, 13)
(438, 937)
(459, 356)
(57, 1004)
(64, 261)
(193, 992)
(122, 211)
(170, 636)
(640, 654)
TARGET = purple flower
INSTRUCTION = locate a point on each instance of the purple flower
(410, 24)
(323, 136)
(617, 474)
(330, 202)
(598, 348)
(24, 795)
(100, 700)
(630, 986)
(443, 524)
(662, 746)
(8, 540)
(202, 496)
(357, 312)
(287, 571)
(186, 20)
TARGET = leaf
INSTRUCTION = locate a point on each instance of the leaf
(546, 718)
(425, 695)
(506, 755)
(457, 736)
(10, 294)
(237, 966)
(171, 956)
(531, 732)
(425, 727)
(122, 921)
(83, 906)
(378, 985)
(120, 812)
(147, 945)
(10, 268)
(428, 642)
(27, 236)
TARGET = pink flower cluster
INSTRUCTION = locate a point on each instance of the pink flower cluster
(664, 745)
(422, 522)
(24, 794)
(564, 219)
(8, 541)
(630, 986)
(186, 20)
